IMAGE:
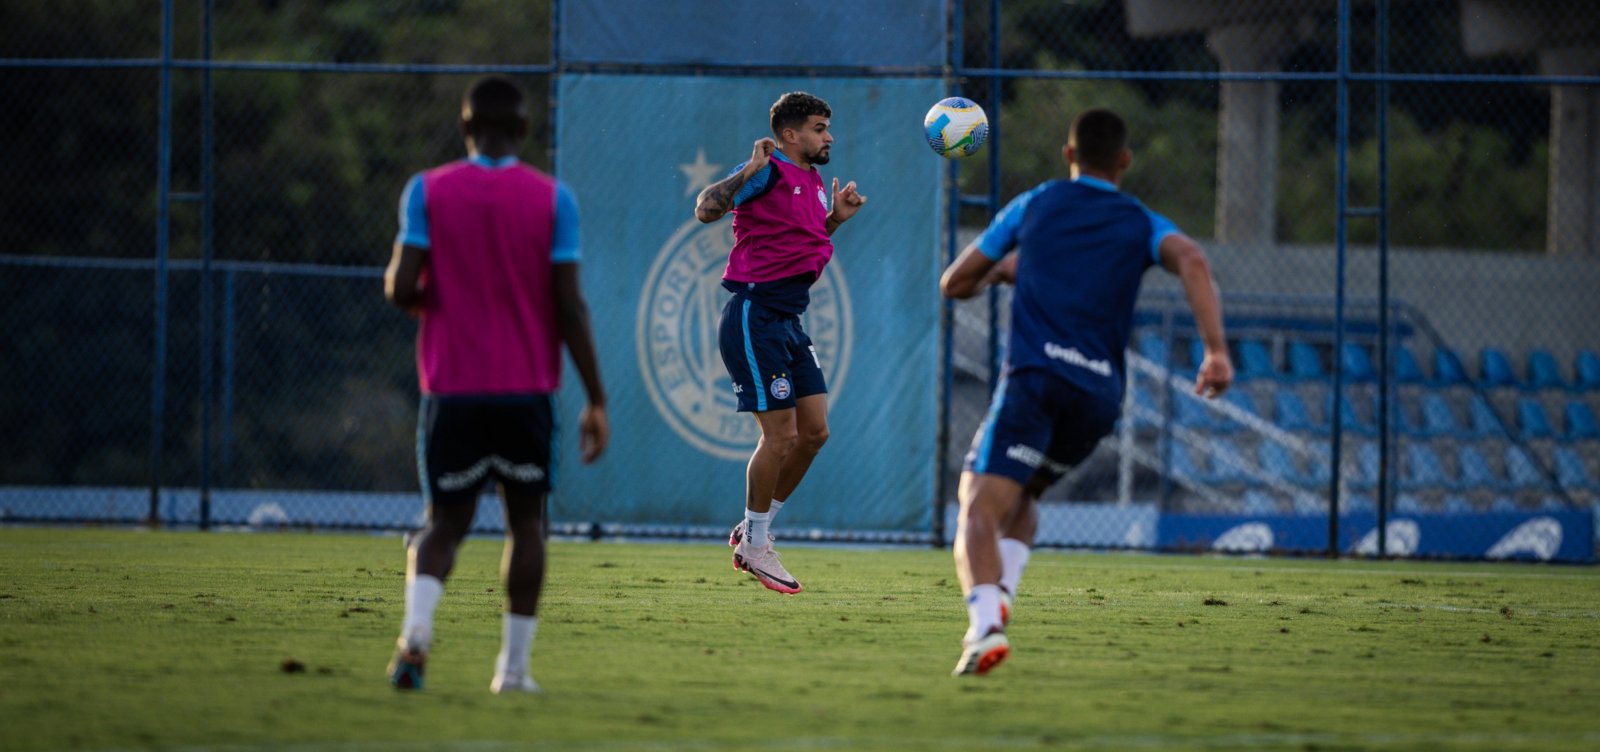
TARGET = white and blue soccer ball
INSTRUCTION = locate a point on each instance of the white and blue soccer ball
(956, 127)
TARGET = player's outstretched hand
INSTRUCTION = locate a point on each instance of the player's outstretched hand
(846, 202)
(1216, 375)
(760, 154)
(594, 432)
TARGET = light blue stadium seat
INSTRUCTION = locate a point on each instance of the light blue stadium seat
(1304, 362)
(1521, 470)
(1398, 415)
(1146, 399)
(1226, 465)
(1291, 413)
(1359, 503)
(1571, 473)
(1255, 362)
(1184, 465)
(1357, 364)
(1485, 422)
(1152, 346)
(1406, 370)
(1348, 418)
(1318, 468)
(1581, 423)
(1190, 412)
(1457, 504)
(1543, 371)
(1366, 466)
(1588, 370)
(1259, 502)
(1437, 417)
(1447, 368)
(1408, 504)
(1276, 460)
(1424, 469)
(1533, 421)
(1476, 472)
(1494, 368)
(1241, 400)
(1503, 504)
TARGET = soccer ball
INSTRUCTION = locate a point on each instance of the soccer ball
(956, 127)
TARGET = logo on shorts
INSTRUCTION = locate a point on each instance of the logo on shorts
(780, 388)
(676, 339)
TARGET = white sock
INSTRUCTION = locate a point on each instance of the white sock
(755, 527)
(1013, 559)
(983, 610)
(516, 644)
(422, 598)
(772, 513)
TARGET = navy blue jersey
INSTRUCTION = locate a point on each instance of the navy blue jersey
(1084, 247)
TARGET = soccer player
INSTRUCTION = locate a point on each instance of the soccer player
(783, 222)
(1082, 247)
(487, 260)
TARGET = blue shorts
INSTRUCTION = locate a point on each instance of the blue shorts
(769, 357)
(1038, 427)
(465, 442)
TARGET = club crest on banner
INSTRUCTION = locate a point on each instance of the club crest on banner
(676, 339)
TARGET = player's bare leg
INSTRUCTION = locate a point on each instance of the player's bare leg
(428, 563)
(811, 428)
(522, 569)
(779, 437)
(987, 501)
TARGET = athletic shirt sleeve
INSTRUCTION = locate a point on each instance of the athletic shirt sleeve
(1001, 235)
(1160, 228)
(753, 187)
(564, 247)
(413, 215)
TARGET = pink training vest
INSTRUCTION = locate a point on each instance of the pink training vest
(784, 231)
(489, 325)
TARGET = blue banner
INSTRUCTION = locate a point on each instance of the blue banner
(636, 152)
(1565, 535)
(903, 34)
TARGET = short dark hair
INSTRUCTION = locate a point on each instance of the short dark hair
(794, 108)
(495, 104)
(1099, 136)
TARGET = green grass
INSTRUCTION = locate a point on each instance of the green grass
(121, 640)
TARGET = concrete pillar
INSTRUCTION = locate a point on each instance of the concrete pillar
(1247, 139)
(1573, 226)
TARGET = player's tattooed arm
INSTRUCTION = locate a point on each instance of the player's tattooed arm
(717, 199)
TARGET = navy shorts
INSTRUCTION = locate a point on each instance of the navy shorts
(769, 357)
(464, 442)
(1038, 427)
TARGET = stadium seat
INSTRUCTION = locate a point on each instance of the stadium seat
(1476, 473)
(1191, 413)
(1447, 368)
(1457, 504)
(1152, 346)
(1543, 371)
(1254, 360)
(1277, 461)
(1259, 502)
(1184, 465)
(1503, 504)
(1227, 465)
(1424, 469)
(1367, 457)
(1408, 504)
(1406, 370)
(1571, 473)
(1588, 370)
(1236, 398)
(1357, 364)
(1581, 423)
(1304, 362)
(1359, 503)
(1521, 470)
(1532, 420)
(1348, 419)
(1437, 417)
(1147, 410)
(1292, 414)
(1494, 369)
(1398, 416)
(1318, 466)
(1485, 422)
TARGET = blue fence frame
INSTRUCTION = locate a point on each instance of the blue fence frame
(161, 266)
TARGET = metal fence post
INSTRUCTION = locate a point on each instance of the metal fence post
(163, 237)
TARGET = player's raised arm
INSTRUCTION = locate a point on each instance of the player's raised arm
(846, 202)
(717, 199)
(1182, 256)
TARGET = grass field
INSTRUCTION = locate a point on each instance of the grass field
(131, 640)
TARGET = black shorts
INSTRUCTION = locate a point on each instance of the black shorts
(1039, 426)
(768, 356)
(462, 442)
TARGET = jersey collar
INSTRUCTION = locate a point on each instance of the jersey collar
(493, 164)
(1094, 182)
(776, 154)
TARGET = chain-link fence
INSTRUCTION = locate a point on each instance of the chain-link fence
(198, 202)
